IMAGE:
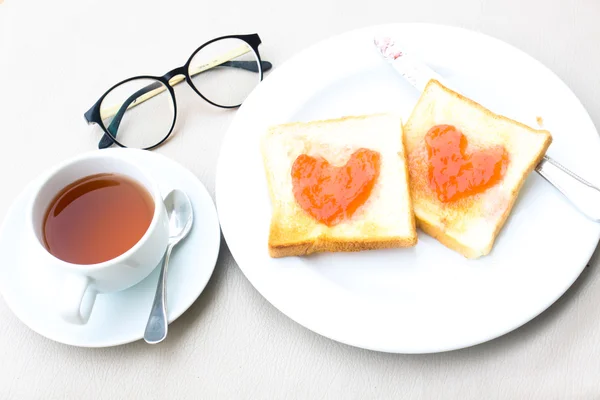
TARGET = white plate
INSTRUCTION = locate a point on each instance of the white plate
(428, 298)
(121, 317)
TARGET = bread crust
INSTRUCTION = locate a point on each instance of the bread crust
(327, 244)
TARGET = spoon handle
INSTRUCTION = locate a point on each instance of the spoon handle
(156, 329)
(581, 193)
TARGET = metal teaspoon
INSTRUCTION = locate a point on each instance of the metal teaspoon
(181, 217)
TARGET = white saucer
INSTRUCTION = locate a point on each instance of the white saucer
(121, 317)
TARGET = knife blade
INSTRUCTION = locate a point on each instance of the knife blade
(584, 195)
(416, 72)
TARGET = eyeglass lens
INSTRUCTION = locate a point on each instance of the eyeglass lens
(138, 113)
(225, 71)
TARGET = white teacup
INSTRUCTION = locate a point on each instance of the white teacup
(81, 283)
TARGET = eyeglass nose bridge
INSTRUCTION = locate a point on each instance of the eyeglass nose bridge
(175, 76)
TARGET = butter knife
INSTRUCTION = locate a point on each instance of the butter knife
(581, 193)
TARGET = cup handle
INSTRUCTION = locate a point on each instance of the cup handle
(73, 308)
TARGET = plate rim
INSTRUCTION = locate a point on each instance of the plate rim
(225, 229)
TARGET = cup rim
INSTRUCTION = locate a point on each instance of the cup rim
(99, 154)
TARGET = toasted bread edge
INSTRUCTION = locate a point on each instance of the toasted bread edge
(485, 110)
(404, 156)
(326, 244)
(273, 128)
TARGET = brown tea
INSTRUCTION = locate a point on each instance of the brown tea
(97, 218)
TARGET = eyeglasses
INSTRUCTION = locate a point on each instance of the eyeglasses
(140, 112)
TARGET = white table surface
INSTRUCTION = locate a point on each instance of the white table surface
(58, 57)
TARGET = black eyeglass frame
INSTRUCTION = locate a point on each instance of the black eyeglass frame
(92, 116)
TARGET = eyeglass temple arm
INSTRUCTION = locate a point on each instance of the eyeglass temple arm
(247, 65)
(153, 89)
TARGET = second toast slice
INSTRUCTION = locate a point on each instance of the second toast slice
(473, 135)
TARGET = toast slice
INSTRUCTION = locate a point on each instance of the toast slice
(470, 224)
(384, 220)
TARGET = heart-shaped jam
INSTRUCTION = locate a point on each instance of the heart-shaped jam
(454, 173)
(331, 194)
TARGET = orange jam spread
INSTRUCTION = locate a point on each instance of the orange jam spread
(331, 194)
(454, 173)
